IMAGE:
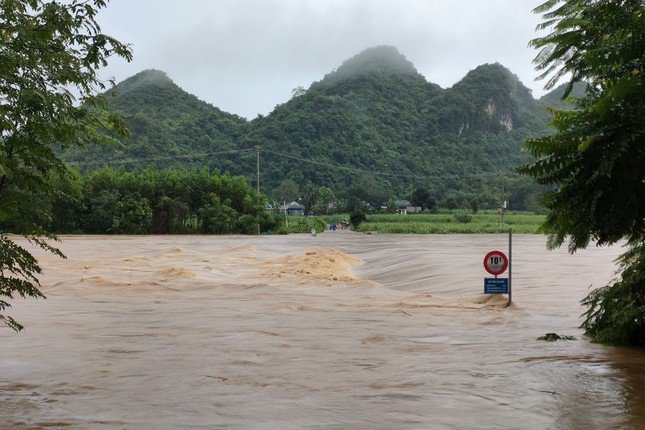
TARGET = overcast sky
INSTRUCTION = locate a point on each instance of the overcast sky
(245, 56)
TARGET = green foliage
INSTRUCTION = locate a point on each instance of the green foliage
(135, 215)
(217, 217)
(422, 197)
(556, 99)
(474, 204)
(167, 213)
(19, 271)
(594, 163)
(302, 224)
(169, 128)
(482, 222)
(463, 216)
(450, 203)
(372, 130)
(325, 201)
(286, 191)
(379, 59)
(616, 312)
(101, 213)
(366, 190)
(49, 54)
(309, 197)
(357, 217)
(595, 160)
(159, 201)
(495, 100)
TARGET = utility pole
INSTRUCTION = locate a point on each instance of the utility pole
(286, 220)
(257, 174)
(257, 167)
(502, 206)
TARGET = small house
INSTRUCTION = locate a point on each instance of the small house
(294, 209)
(404, 207)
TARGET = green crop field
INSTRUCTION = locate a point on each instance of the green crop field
(447, 223)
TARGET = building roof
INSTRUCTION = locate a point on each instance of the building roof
(292, 205)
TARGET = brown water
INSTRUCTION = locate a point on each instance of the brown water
(292, 332)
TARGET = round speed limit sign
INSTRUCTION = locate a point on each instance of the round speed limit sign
(496, 262)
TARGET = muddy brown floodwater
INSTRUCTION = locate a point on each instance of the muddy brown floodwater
(338, 331)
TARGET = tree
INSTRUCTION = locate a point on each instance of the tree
(594, 162)
(357, 217)
(367, 189)
(49, 56)
(286, 191)
(135, 215)
(326, 199)
(309, 196)
(168, 212)
(298, 91)
(422, 197)
(103, 211)
(217, 217)
(450, 203)
(474, 204)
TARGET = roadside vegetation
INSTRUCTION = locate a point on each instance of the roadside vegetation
(439, 223)
(49, 85)
(594, 162)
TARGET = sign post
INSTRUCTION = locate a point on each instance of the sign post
(496, 263)
(510, 265)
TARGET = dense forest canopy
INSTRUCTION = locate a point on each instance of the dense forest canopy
(374, 130)
(153, 201)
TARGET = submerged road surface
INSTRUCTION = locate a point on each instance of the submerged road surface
(289, 332)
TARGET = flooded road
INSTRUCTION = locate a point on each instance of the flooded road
(336, 331)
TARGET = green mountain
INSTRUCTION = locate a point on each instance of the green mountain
(496, 101)
(554, 98)
(380, 59)
(378, 115)
(167, 126)
(373, 129)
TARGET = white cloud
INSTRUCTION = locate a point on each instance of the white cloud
(245, 56)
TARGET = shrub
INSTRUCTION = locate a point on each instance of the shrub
(356, 218)
(463, 216)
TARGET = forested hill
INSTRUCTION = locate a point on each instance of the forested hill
(167, 126)
(378, 115)
(554, 98)
(374, 128)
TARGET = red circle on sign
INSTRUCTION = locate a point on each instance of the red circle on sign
(496, 262)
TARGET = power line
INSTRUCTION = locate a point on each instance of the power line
(400, 175)
(168, 157)
(301, 159)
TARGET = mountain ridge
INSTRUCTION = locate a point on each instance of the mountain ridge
(375, 114)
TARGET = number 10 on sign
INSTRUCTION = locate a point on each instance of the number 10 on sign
(496, 262)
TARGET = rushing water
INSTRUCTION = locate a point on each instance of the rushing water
(289, 332)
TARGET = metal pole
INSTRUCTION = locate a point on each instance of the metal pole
(510, 265)
(257, 168)
(257, 172)
(286, 221)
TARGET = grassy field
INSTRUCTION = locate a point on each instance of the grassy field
(481, 222)
(302, 224)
